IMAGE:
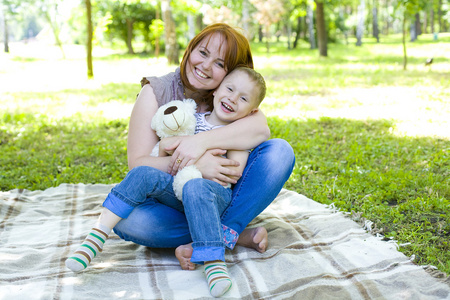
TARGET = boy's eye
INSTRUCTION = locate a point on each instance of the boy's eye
(229, 89)
(244, 99)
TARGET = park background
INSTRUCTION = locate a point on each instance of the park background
(359, 88)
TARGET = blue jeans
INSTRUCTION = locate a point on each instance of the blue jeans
(203, 203)
(157, 225)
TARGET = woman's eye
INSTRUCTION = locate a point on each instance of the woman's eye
(202, 52)
(220, 65)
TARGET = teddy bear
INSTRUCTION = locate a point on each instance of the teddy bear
(176, 118)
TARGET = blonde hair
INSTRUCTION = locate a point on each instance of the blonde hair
(256, 78)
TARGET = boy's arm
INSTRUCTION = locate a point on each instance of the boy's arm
(240, 156)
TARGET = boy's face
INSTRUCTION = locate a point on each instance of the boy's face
(235, 98)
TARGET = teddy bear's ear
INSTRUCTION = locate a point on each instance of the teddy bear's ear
(191, 104)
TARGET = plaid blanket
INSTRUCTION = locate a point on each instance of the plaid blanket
(314, 253)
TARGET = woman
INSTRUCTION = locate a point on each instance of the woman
(213, 53)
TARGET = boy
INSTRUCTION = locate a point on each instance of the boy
(239, 95)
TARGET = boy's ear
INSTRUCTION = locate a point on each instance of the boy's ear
(214, 92)
(253, 111)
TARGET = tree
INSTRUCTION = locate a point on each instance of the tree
(171, 36)
(90, 30)
(321, 31)
(360, 27)
(408, 8)
(310, 21)
(9, 10)
(268, 12)
(375, 30)
(125, 17)
(49, 10)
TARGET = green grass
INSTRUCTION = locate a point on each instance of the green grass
(369, 137)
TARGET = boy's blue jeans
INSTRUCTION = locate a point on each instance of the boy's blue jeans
(203, 203)
(158, 225)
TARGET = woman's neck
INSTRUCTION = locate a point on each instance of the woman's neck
(198, 96)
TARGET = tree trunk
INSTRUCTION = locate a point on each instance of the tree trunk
(310, 20)
(289, 33)
(412, 32)
(432, 19)
(130, 23)
(321, 32)
(375, 31)
(297, 31)
(387, 18)
(405, 59)
(191, 26)
(157, 17)
(360, 28)
(246, 19)
(267, 32)
(170, 33)
(90, 31)
(260, 33)
(55, 31)
(425, 22)
(440, 15)
(6, 35)
(199, 22)
(417, 25)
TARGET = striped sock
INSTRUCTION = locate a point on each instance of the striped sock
(91, 246)
(219, 281)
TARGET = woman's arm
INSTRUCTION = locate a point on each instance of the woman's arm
(242, 134)
(141, 137)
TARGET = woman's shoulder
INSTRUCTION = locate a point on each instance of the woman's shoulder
(166, 87)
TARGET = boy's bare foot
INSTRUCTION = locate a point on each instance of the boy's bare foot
(256, 238)
(183, 254)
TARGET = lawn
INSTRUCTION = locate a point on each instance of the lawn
(369, 138)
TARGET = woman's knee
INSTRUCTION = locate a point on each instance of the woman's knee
(279, 152)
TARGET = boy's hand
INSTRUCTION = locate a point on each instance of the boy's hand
(217, 168)
(163, 144)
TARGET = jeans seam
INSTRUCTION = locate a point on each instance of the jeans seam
(242, 183)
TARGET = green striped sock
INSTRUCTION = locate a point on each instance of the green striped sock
(219, 281)
(91, 246)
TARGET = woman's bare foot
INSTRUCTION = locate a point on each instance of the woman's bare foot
(183, 254)
(256, 238)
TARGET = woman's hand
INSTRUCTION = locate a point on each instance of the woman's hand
(217, 168)
(186, 151)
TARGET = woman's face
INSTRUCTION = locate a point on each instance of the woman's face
(205, 68)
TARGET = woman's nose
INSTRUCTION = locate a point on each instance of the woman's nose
(207, 63)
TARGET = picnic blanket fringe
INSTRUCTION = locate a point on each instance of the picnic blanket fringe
(371, 227)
